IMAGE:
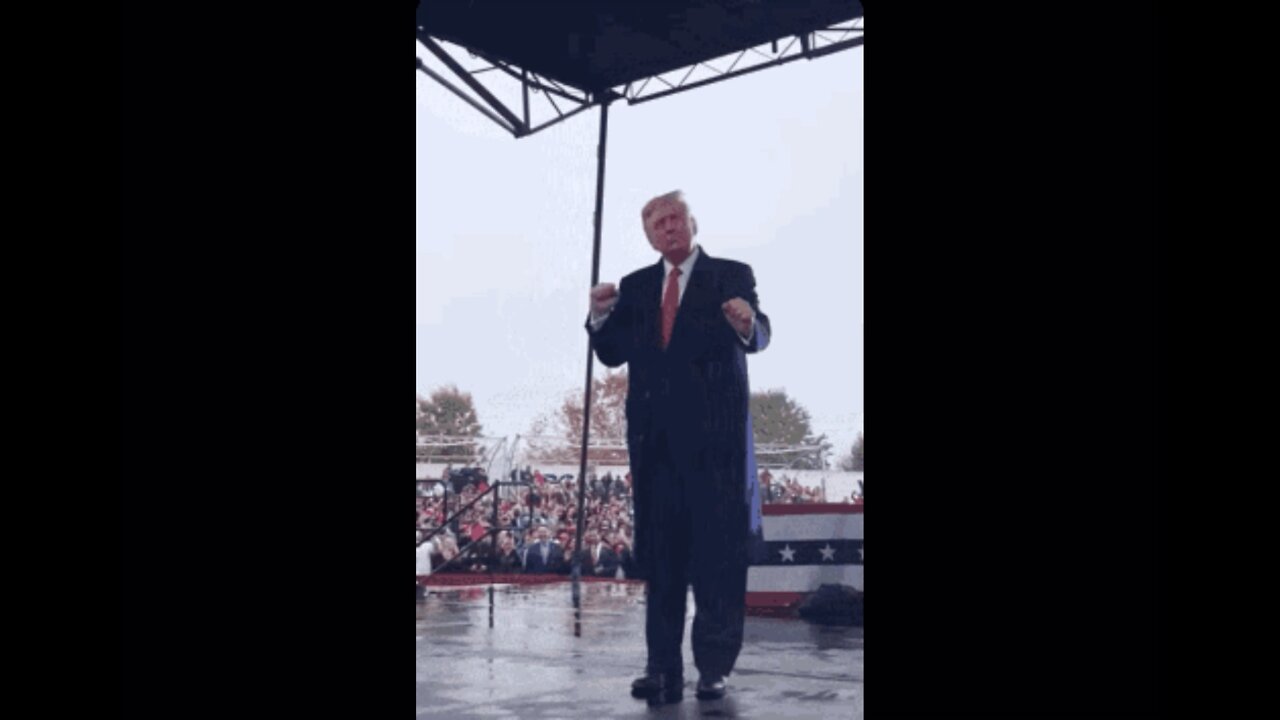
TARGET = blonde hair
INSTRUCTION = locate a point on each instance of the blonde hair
(673, 196)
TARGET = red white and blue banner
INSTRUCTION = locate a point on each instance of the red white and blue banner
(805, 546)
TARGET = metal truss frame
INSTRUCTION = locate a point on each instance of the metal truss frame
(466, 82)
(810, 45)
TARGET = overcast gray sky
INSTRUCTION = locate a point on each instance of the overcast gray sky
(772, 166)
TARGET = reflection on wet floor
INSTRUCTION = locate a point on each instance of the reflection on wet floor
(512, 652)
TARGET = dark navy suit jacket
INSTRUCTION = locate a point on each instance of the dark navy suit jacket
(533, 562)
(696, 394)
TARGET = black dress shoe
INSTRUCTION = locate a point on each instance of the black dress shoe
(658, 688)
(643, 686)
(711, 687)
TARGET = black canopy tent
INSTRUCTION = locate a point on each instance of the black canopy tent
(586, 53)
(592, 52)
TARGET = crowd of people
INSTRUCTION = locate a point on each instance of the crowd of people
(537, 520)
(786, 489)
(536, 523)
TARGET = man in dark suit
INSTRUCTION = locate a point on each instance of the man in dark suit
(684, 327)
(543, 555)
(598, 558)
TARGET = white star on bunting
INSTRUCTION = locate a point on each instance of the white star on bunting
(788, 555)
(828, 552)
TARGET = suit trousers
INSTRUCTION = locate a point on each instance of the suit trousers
(683, 555)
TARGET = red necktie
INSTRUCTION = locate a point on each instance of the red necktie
(670, 303)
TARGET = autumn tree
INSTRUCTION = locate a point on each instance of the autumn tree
(557, 437)
(853, 461)
(449, 414)
(784, 434)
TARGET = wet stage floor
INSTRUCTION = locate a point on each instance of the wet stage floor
(514, 654)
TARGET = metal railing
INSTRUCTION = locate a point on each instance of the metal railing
(490, 534)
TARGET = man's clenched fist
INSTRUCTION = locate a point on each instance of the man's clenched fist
(739, 314)
(603, 297)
